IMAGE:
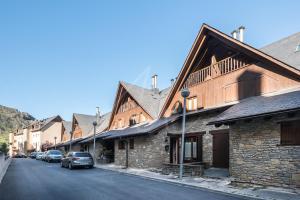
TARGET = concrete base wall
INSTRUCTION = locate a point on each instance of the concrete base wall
(257, 157)
(4, 164)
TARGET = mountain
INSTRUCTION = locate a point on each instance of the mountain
(11, 119)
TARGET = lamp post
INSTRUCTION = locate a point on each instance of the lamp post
(184, 93)
(94, 151)
(55, 142)
(70, 149)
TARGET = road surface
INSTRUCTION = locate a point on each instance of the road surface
(28, 179)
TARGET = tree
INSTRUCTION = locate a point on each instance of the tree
(3, 148)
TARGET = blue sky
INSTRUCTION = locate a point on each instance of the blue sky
(61, 57)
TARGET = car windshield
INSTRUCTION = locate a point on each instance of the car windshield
(55, 152)
(82, 154)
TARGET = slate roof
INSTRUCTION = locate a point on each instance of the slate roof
(285, 50)
(68, 142)
(260, 106)
(68, 126)
(150, 100)
(102, 126)
(141, 129)
(85, 122)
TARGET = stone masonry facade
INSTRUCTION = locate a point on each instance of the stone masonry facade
(257, 157)
(150, 151)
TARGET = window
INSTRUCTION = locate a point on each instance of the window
(133, 120)
(192, 103)
(190, 149)
(290, 133)
(177, 107)
(131, 143)
(121, 144)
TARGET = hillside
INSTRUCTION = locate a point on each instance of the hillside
(10, 119)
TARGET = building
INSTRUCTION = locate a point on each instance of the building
(37, 136)
(233, 89)
(45, 133)
(80, 129)
(223, 74)
(133, 122)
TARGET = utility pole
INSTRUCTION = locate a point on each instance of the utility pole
(55, 142)
(184, 93)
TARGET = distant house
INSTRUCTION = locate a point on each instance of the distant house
(37, 136)
(45, 133)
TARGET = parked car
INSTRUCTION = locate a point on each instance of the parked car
(53, 156)
(39, 155)
(77, 159)
(44, 156)
(20, 155)
(33, 155)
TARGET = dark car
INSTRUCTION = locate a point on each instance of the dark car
(77, 159)
(20, 155)
(33, 155)
(53, 156)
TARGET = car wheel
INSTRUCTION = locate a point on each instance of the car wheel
(91, 166)
(70, 166)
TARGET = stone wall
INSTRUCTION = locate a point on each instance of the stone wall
(149, 151)
(99, 149)
(257, 157)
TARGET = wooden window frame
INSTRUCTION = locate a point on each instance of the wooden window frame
(194, 105)
(290, 133)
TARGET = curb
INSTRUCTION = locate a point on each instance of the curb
(184, 185)
(4, 169)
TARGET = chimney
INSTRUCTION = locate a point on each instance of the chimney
(172, 81)
(234, 34)
(154, 81)
(97, 114)
(241, 33)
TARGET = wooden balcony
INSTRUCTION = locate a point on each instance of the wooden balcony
(217, 69)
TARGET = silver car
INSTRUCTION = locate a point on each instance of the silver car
(77, 159)
(53, 156)
(39, 155)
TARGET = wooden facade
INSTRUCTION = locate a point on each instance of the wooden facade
(222, 72)
(127, 111)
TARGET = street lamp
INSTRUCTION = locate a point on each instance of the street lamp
(94, 153)
(184, 93)
(55, 142)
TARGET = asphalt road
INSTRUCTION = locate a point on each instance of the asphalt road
(37, 180)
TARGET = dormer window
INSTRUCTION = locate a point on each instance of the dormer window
(133, 120)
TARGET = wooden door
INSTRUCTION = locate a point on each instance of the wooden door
(221, 149)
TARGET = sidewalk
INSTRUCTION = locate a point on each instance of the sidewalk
(220, 185)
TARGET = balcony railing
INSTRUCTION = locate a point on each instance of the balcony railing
(217, 69)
